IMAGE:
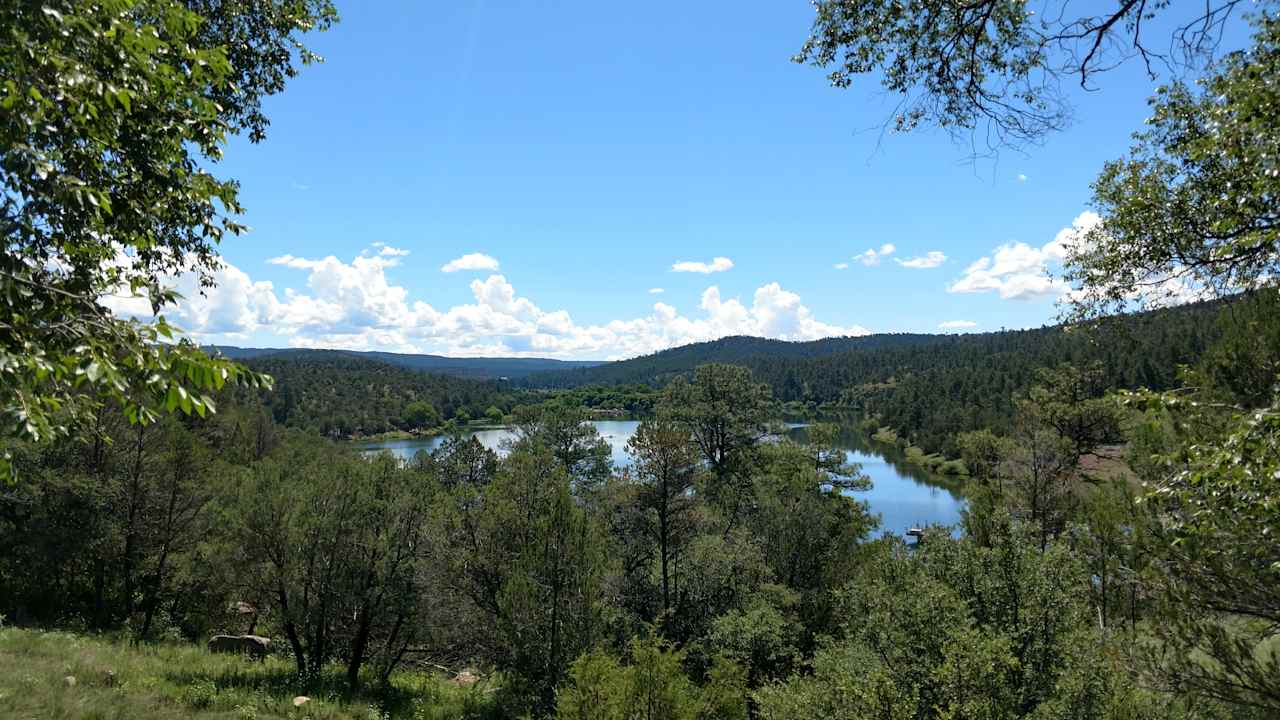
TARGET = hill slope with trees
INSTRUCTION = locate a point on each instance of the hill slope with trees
(340, 395)
(485, 368)
(660, 367)
(932, 387)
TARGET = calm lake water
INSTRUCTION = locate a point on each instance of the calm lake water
(902, 495)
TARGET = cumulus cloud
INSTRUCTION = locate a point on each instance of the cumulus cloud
(388, 251)
(957, 325)
(470, 261)
(719, 264)
(1022, 178)
(1018, 271)
(656, 291)
(931, 259)
(872, 257)
(355, 305)
(234, 306)
(841, 266)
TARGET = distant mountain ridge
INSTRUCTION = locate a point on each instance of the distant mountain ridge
(660, 366)
(932, 387)
(488, 368)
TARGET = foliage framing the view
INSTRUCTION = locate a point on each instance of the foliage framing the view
(111, 112)
(1195, 207)
(993, 66)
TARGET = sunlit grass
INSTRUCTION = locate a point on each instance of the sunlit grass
(115, 679)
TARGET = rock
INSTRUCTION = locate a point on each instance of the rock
(241, 607)
(254, 645)
(69, 681)
(466, 678)
(301, 700)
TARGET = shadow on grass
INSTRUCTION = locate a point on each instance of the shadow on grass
(329, 685)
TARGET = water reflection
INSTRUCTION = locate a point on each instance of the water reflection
(904, 495)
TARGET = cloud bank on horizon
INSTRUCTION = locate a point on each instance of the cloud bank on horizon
(354, 305)
(1018, 271)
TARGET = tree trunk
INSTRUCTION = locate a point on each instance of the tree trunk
(99, 593)
(357, 649)
(662, 549)
(131, 527)
(291, 631)
(384, 676)
(157, 580)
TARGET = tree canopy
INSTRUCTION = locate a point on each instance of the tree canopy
(113, 114)
(994, 68)
(1194, 209)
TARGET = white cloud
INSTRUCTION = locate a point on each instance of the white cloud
(470, 261)
(872, 257)
(1022, 178)
(841, 266)
(957, 325)
(233, 307)
(1017, 271)
(355, 305)
(719, 264)
(388, 251)
(656, 291)
(288, 261)
(931, 259)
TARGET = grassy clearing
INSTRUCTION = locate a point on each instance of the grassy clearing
(885, 435)
(933, 462)
(116, 680)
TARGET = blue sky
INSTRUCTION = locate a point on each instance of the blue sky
(589, 147)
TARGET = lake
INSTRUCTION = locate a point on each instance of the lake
(903, 495)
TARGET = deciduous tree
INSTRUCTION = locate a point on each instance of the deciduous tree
(112, 114)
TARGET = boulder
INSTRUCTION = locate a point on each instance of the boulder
(466, 678)
(254, 645)
(240, 607)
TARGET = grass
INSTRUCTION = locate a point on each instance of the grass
(886, 435)
(388, 435)
(917, 456)
(117, 680)
(933, 462)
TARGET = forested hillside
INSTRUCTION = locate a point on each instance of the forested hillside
(657, 368)
(338, 394)
(931, 387)
(468, 367)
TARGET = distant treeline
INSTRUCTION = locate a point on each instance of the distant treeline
(929, 388)
(340, 394)
(932, 387)
(478, 368)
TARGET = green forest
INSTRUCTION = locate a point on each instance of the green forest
(194, 534)
(933, 387)
(339, 395)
